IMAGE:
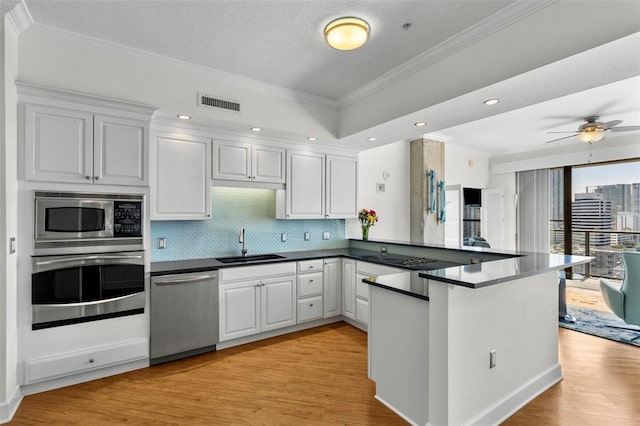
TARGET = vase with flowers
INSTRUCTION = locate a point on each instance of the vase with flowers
(367, 219)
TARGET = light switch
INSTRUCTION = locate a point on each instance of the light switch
(162, 243)
(306, 236)
(12, 245)
(283, 237)
(325, 235)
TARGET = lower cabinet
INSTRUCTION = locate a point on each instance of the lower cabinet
(362, 299)
(349, 288)
(310, 289)
(332, 287)
(253, 306)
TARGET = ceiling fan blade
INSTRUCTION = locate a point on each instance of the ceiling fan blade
(561, 139)
(625, 128)
(611, 124)
(565, 131)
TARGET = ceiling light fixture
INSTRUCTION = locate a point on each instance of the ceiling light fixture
(346, 33)
(420, 124)
(184, 117)
(591, 134)
(256, 129)
(371, 139)
(312, 138)
(491, 101)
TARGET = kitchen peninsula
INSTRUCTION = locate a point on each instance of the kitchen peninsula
(432, 332)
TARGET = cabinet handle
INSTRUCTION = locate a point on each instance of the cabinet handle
(87, 177)
(310, 281)
(91, 361)
(310, 304)
(257, 285)
(249, 177)
(262, 285)
(96, 177)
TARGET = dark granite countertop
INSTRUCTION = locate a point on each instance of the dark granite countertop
(409, 283)
(512, 265)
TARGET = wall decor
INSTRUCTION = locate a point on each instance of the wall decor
(442, 204)
(431, 191)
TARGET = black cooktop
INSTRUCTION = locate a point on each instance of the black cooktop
(410, 262)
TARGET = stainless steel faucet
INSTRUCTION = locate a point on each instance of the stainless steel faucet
(241, 241)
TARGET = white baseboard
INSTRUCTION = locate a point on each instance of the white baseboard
(517, 399)
(390, 407)
(8, 408)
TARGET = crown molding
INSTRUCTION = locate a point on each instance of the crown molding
(491, 25)
(78, 41)
(19, 16)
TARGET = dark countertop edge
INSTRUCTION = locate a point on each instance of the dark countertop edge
(468, 249)
(431, 275)
(397, 290)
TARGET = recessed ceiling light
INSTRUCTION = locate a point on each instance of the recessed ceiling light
(372, 139)
(491, 101)
(312, 138)
(256, 129)
(184, 117)
(420, 124)
(346, 33)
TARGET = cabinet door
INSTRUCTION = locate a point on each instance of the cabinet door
(278, 306)
(332, 287)
(362, 289)
(305, 185)
(231, 161)
(120, 151)
(349, 288)
(182, 187)
(267, 164)
(58, 144)
(239, 309)
(342, 184)
(362, 311)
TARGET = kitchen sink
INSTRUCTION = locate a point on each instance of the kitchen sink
(254, 258)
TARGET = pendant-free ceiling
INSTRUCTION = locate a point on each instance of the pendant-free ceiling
(346, 33)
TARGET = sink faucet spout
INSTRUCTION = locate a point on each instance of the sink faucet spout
(241, 241)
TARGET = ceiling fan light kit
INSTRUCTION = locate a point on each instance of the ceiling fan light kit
(593, 131)
(591, 135)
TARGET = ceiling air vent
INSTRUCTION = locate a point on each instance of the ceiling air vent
(207, 101)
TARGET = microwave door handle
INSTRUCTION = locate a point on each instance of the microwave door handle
(93, 302)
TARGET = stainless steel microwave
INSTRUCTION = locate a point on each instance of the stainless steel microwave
(68, 223)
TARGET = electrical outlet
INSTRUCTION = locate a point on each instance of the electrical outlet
(325, 235)
(492, 358)
(162, 243)
(283, 237)
(306, 236)
(12, 245)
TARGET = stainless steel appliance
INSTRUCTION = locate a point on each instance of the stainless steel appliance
(184, 315)
(71, 289)
(86, 223)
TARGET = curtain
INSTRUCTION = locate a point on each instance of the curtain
(532, 210)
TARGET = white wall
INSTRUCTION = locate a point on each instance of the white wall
(55, 59)
(507, 183)
(466, 167)
(9, 391)
(392, 205)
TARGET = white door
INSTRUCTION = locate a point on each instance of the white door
(349, 288)
(305, 185)
(278, 306)
(239, 309)
(492, 222)
(453, 210)
(182, 184)
(120, 151)
(332, 287)
(342, 184)
(58, 144)
(231, 161)
(267, 164)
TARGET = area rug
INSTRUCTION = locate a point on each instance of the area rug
(594, 322)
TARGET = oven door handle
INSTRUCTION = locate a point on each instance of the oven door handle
(87, 260)
(93, 302)
(168, 280)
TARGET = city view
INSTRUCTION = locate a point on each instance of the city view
(605, 215)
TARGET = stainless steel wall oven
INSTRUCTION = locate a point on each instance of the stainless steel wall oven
(88, 261)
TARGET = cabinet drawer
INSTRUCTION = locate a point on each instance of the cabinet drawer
(76, 362)
(362, 289)
(310, 285)
(362, 311)
(310, 266)
(310, 308)
(257, 271)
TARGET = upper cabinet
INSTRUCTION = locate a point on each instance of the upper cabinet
(83, 139)
(181, 180)
(319, 186)
(244, 162)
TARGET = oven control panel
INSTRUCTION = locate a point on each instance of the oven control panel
(127, 219)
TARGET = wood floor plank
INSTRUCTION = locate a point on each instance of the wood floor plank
(319, 377)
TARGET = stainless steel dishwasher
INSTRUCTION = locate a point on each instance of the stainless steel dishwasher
(184, 315)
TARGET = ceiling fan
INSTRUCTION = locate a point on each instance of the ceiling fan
(593, 131)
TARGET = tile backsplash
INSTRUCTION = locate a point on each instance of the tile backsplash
(235, 208)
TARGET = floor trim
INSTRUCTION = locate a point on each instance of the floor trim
(9, 408)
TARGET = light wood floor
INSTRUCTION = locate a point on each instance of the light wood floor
(319, 377)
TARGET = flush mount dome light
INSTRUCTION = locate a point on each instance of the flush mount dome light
(346, 33)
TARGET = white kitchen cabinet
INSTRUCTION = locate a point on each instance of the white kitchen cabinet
(318, 186)
(247, 162)
(342, 187)
(332, 287)
(310, 289)
(181, 185)
(349, 288)
(362, 299)
(66, 145)
(360, 290)
(254, 299)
